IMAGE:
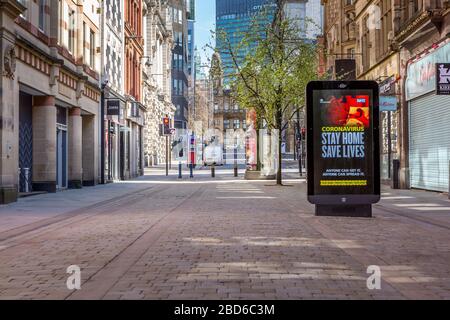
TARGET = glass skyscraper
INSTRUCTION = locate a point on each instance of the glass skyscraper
(234, 17)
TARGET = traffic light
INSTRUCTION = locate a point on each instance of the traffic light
(303, 134)
(166, 126)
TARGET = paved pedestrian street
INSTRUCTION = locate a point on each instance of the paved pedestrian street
(159, 237)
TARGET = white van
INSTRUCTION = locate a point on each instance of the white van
(213, 155)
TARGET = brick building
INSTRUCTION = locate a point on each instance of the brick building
(131, 135)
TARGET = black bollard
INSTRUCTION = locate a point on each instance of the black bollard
(235, 169)
(213, 171)
(180, 174)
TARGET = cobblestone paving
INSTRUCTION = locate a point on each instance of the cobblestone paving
(228, 239)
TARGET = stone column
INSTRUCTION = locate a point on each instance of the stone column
(89, 150)
(75, 158)
(9, 102)
(44, 143)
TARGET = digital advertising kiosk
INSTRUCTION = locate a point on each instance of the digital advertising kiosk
(343, 147)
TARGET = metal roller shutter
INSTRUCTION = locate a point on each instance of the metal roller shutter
(429, 136)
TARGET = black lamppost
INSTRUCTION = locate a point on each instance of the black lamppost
(102, 132)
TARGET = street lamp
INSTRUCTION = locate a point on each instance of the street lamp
(104, 83)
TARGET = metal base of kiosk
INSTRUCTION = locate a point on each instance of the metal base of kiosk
(360, 211)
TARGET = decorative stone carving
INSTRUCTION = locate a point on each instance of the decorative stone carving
(9, 62)
(80, 89)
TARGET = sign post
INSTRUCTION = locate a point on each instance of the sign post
(166, 131)
(167, 156)
(343, 147)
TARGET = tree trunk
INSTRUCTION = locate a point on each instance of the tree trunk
(279, 171)
(258, 145)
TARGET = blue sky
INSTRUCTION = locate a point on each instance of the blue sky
(205, 11)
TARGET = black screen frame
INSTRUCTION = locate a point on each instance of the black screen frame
(343, 199)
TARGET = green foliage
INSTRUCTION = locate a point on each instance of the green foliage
(272, 67)
(272, 76)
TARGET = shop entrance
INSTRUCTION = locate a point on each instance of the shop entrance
(25, 142)
(61, 148)
(61, 158)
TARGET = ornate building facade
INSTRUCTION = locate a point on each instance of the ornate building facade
(399, 44)
(157, 78)
(227, 113)
(113, 74)
(378, 60)
(422, 38)
(50, 97)
(339, 37)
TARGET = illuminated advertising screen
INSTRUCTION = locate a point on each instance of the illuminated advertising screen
(343, 146)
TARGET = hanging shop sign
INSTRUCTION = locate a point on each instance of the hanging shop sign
(421, 74)
(388, 98)
(113, 107)
(387, 87)
(388, 103)
(343, 144)
(443, 78)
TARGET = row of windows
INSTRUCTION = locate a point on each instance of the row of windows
(231, 124)
(177, 15)
(226, 106)
(133, 75)
(177, 62)
(178, 38)
(381, 44)
(178, 87)
(66, 36)
(133, 15)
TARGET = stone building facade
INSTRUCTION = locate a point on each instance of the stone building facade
(227, 113)
(113, 74)
(399, 44)
(50, 96)
(202, 117)
(421, 36)
(378, 60)
(395, 44)
(339, 40)
(157, 78)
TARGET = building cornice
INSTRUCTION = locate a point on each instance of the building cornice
(413, 26)
(386, 58)
(53, 61)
